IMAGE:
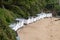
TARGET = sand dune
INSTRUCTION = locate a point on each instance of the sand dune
(44, 29)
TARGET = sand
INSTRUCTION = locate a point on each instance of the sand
(44, 29)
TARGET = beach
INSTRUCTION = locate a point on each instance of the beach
(44, 29)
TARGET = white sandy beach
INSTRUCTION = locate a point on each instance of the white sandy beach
(44, 29)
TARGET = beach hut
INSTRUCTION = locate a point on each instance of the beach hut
(32, 19)
(27, 21)
(35, 19)
(17, 25)
(39, 16)
(49, 15)
(43, 15)
(12, 25)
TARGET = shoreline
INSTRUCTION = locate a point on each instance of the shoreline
(44, 29)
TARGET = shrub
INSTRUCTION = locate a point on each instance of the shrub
(6, 33)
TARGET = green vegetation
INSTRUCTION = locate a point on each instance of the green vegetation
(11, 9)
(5, 18)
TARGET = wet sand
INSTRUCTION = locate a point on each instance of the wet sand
(44, 29)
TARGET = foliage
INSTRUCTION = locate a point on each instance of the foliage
(11, 9)
(5, 32)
